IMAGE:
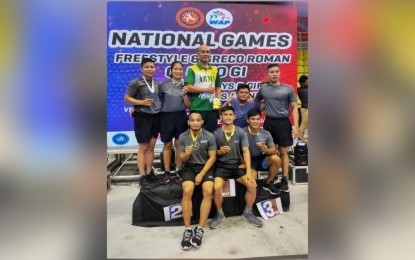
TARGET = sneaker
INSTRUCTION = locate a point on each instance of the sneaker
(173, 177)
(196, 240)
(166, 177)
(214, 223)
(271, 188)
(152, 177)
(187, 235)
(250, 217)
(141, 179)
(284, 185)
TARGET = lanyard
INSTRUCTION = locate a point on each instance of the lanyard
(249, 129)
(228, 138)
(152, 85)
(194, 138)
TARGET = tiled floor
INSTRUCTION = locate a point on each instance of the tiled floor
(285, 234)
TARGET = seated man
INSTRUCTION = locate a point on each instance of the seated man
(197, 149)
(262, 148)
(230, 139)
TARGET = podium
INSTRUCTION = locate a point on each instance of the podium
(159, 204)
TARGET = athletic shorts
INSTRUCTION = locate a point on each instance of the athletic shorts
(146, 126)
(280, 129)
(210, 119)
(189, 172)
(172, 124)
(226, 171)
(256, 163)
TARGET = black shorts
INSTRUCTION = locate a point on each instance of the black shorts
(189, 172)
(146, 126)
(210, 119)
(280, 129)
(256, 163)
(226, 171)
(172, 124)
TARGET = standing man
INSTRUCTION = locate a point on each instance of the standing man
(302, 92)
(203, 85)
(197, 149)
(262, 149)
(231, 141)
(279, 99)
(241, 105)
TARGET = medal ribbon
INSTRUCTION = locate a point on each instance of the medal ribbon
(249, 129)
(152, 85)
(228, 138)
(194, 138)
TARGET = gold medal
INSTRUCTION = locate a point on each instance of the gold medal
(195, 143)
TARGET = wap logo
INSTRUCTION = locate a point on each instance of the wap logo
(190, 17)
(219, 18)
(120, 139)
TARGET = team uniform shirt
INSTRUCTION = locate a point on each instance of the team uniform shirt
(199, 76)
(264, 136)
(241, 111)
(277, 99)
(205, 142)
(236, 143)
(139, 90)
(172, 96)
(303, 95)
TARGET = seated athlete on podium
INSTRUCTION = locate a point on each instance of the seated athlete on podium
(197, 148)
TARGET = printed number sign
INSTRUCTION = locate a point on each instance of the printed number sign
(270, 208)
(172, 212)
(228, 190)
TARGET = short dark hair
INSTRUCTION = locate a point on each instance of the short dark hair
(226, 108)
(272, 66)
(242, 86)
(195, 112)
(302, 79)
(253, 112)
(145, 60)
(172, 65)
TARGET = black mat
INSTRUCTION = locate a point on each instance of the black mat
(154, 196)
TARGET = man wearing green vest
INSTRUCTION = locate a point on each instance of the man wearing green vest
(203, 86)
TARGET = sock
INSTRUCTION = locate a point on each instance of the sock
(248, 210)
(199, 227)
(285, 177)
(220, 212)
(187, 228)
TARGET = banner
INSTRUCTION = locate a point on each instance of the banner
(243, 39)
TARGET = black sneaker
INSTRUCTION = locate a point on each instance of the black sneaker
(187, 235)
(271, 188)
(141, 179)
(284, 185)
(152, 177)
(173, 176)
(196, 240)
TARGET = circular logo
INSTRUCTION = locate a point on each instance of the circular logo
(219, 18)
(120, 139)
(190, 17)
(195, 145)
